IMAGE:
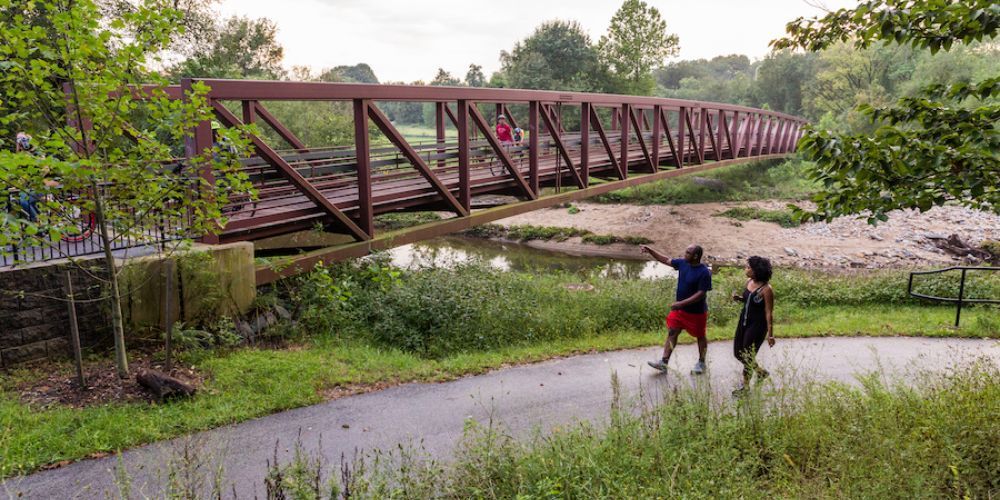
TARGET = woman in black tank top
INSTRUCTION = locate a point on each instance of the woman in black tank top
(755, 324)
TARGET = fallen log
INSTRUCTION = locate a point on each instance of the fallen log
(955, 246)
(162, 385)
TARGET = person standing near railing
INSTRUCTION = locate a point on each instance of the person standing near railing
(29, 200)
(504, 132)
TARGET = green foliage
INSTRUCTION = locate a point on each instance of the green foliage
(437, 312)
(300, 478)
(993, 247)
(745, 182)
(783, 218)
(475, 77)
(359, 73)
(441, 311)
(819, 441)
(239, 48)
(605, 239)
(558, 55)
(528, 232)
(637, 41)
(63, 64)
(547, 233)
(444, 78)
(328, 299)
(400, 220)
(932, 24)
(938, 146)
(219, 335)
(928, 151)
(252, 382)
(783, 77)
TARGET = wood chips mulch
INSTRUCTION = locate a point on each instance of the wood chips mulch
(52, 384)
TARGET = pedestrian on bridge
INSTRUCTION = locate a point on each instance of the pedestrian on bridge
(690, 309)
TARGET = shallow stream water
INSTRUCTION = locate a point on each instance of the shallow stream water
(451, 250)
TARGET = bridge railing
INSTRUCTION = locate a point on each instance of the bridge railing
(76, 232)
(572, 137)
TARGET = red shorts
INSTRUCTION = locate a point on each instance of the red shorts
(694, 323)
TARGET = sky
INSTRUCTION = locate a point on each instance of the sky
(405, 40)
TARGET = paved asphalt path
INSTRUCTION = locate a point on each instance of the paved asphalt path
(431, 417)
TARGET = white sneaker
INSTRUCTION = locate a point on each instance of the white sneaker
(699, 368)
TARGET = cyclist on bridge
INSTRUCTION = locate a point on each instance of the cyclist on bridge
(27, 199)
(504, 131)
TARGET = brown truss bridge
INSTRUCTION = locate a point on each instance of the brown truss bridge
(581, 144)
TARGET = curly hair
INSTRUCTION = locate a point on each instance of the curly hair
(761, 268)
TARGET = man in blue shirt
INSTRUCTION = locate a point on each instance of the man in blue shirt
(690, 310)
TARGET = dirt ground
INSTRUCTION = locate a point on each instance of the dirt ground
(905, 240)
(58, 386)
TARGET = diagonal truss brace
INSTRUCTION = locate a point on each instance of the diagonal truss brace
(640, 140)
(595, 121)
(382, 122)
(500, 152)
(297, 180)
(562, 149)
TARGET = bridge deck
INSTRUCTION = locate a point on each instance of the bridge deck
(281, 207)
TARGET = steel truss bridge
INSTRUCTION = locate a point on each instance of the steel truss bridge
(582, 144)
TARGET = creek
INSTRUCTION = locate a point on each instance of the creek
(451, 250)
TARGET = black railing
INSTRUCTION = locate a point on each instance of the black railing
(960, 300)
(149, 229)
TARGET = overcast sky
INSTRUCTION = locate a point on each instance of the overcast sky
(406, 40)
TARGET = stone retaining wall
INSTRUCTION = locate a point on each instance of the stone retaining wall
(34, 318)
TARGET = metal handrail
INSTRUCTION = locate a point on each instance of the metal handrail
(961, 300)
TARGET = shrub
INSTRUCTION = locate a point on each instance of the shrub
(400, 220)
(472, 307)
(783, 218)
(744, 182)
(812, 441)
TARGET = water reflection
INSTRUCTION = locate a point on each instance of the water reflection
(513, 257)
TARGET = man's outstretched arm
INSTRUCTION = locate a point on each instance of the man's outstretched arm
(656, 254)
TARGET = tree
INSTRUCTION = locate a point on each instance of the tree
(475, 77)
(637, 41)
(941, 145)
(444, 78)
(720, 79)
(558, 55)
(241, 48)
(359, 73)
(782, 77)
(63, 65)
(197, 22)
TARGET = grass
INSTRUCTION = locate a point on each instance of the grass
(783, 218)
(744, 182)
(810, 441)
(419, 133)
(547, 233)
(428, 326)
(401, 220)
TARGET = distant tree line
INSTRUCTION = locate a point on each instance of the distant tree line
(824, 86)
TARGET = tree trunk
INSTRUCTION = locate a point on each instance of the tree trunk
(117, 326)
(162, 385)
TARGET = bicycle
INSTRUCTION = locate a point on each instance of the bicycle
(81, 224)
